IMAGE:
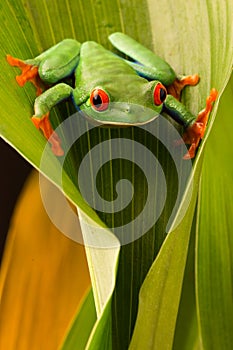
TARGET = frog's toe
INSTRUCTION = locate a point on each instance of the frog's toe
(204, 114)
(177, 86)
(55, 142)
(31, 75)
(14, 62)
(191, 152)
(192, 137)
(43, 123)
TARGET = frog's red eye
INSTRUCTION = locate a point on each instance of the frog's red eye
(99, 100)
(160, 94)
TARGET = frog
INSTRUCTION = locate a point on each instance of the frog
(128, 88)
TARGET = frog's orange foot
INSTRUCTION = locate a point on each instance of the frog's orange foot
(43, 123)
(177, 86)
(29, 73)
(196, 131)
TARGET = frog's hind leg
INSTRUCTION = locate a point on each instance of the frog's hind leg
(177, 86)
(28, 73)
(145, 62)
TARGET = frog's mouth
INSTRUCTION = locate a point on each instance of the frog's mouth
(121, 114)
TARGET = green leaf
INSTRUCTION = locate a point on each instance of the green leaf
(102, 250)
(82, 325)
(188, 334)
(160, 292)
(20, 39)
(192, 37)
(214, 250)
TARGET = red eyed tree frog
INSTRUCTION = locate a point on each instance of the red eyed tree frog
(102, 77)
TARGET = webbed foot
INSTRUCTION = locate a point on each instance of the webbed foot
(196, 131)
(29, 73)
(177, 86)
(43, 123)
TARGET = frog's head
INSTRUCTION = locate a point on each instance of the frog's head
(138, 106)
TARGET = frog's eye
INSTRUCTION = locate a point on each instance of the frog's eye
(99, 100)
(160, 94)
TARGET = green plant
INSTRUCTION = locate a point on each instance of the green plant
(193, 37)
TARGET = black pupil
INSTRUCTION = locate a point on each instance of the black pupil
(97, 100)
(162, 94)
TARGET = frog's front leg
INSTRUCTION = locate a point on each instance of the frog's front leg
(195, 132)
(43, 104)
(194, 126)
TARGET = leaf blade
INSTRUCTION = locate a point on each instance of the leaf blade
(141, 337)
(214, 239)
